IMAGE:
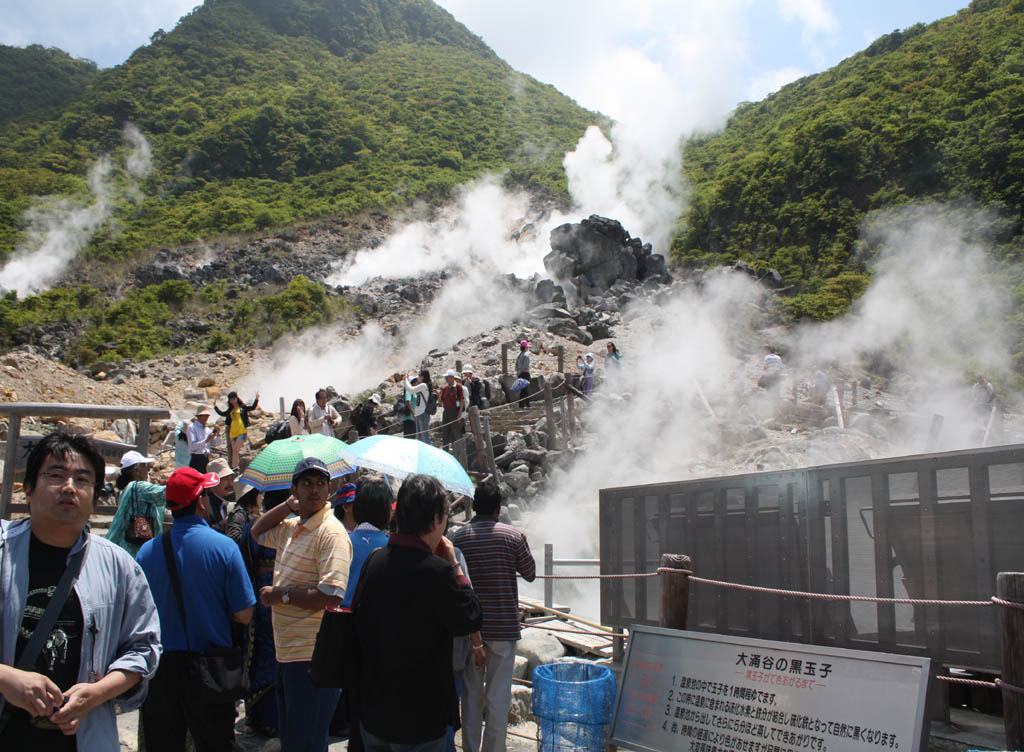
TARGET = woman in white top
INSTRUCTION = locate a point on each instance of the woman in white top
(523, 372)
(421, 392)
(297, 420)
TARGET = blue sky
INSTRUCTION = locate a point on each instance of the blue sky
(616, 56)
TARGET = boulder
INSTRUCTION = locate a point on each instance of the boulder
(521, 665)
(568, 329)
(539, 647)
(520, 709)
(517, 479)
(206, 381)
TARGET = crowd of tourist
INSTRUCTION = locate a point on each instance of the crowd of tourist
(136, 619)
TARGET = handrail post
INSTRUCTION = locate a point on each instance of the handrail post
(675, 591)
(1010, 587)
(549, 566)
(10, 459)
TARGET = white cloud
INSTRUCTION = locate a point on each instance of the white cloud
(772, 81)
(814, 15)
(105, 32)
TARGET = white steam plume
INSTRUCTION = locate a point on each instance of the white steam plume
(476, 231)
(59, 228)
(467, 305)
(934, 308)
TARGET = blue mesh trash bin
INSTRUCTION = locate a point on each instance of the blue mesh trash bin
(574, 704)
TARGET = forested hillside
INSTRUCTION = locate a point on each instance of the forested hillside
(38, 80)
(928, 113)
(264, 112)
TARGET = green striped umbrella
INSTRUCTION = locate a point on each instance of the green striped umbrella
(271, 469)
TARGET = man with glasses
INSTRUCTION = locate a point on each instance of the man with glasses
(101, 640)
(314, 553)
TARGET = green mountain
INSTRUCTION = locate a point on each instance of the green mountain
(37, 81)
(929, 113)
(261, 113)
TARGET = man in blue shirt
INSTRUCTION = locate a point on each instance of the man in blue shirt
(216, 591)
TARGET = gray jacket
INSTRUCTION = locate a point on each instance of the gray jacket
(122, 629)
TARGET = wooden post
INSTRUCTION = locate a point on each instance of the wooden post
(504, 359)
(10, 459)
(675, 591)
(1010, 587)
(838, 408)
(618, 645)
(459, 450)
(478, 437)
(570, 413)
(853, 393)
(142, 435)
(934, 431)
(458, 368)
(549, 410)
(492, 466)
(284, 415)
(560, 350)
(549, 584)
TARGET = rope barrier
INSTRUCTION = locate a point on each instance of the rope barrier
(789, 593)
(1007, 604)
(1011, 687)
(968, 682)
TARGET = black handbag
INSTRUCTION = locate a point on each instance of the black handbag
(139, 529)
(217, 675)
(335, 661)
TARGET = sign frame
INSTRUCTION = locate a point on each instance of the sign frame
(921, 735)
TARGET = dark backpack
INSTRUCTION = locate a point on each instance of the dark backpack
(402, 407)
(278, 430)
(432, 404)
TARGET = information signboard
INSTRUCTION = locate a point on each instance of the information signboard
(696, 692)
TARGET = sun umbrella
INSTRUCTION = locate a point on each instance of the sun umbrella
(271, 469)
(400, 457)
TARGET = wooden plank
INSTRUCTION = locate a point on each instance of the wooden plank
(74, 410)
(750, 559)
(787, 540)
(929, 509)
(816, 561)
(984, 574)
(640, 558)
(532, 607)
(609, 526)
(886, 612)
(590, 644)
(841, 616)
(721, 599)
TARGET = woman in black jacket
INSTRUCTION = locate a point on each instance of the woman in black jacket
(236, 419)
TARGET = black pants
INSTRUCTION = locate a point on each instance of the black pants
(524, 394)
(199, 462)
(170, 709)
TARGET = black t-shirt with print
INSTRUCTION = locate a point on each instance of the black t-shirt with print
(61, 654)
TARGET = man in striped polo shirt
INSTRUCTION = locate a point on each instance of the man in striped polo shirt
(310, 573)
(495, 553)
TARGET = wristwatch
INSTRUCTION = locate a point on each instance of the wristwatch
(287, 597)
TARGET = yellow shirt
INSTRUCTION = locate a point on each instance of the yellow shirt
(236, 427)
(316, 552)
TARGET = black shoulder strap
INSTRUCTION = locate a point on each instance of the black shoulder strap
(172, 570)
(53, 609)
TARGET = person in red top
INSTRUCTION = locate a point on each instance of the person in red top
(452, 401)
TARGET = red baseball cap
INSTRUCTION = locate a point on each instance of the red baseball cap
(185, 485)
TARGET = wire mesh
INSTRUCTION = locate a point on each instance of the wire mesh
(574, 703)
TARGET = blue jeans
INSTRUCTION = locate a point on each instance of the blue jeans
(304, 710)
(423, 427)
(376, 744)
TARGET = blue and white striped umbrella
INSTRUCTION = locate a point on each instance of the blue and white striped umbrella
(400, 457)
